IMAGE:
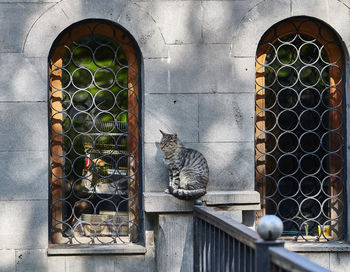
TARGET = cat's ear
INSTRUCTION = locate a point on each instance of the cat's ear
(162, 132)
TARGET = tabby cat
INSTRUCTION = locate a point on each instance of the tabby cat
(188, 169)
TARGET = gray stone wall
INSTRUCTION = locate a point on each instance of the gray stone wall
(198, 81)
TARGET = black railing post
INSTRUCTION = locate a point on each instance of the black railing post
(262, 254)
(269, 228)
(196, 238)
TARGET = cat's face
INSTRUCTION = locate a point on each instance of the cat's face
(168, 142)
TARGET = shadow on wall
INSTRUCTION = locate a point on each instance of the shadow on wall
(24, 173)
(208, 109)
(23, 140)
(200, 75)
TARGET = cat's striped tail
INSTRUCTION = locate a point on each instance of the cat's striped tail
(187, 194)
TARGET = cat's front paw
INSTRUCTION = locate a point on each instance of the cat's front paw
(167, 191)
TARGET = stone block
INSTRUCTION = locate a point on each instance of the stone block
(175, 243)
(226, 117)
(338, 19)
(144, 29)
(179, 21)
(19, 19)
(156, 79)
(145, 5)
(220, 29)
(160, 202)
(339, 261)
(346, 3)
(90, 264)
(243, 74)
(37, 260)
(23, 126)
(74, 11)
(7, 260)
(24, 224)
(321, 259)
(23, 175)
(149, 232)
(56, 263)
(235, 215)
(129, 15)
(314, 8)
(334, 13)
(121, 249)
(156, 173)
(200, 68)
(144, 263)
(172, 113)
(229, 198)
(255, 23)
(23, 79)
(49, 25)
(231, 166)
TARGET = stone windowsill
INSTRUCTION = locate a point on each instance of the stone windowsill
(160, 202)
(317, 247)
(54, 250)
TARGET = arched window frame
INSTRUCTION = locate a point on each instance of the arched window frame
(129, 46)
(336, 55)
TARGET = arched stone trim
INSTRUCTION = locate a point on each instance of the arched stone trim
(129, 15)
(266, 13)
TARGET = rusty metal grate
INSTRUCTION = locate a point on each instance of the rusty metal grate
(299, 140)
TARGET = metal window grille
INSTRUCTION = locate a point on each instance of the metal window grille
(299, 140)
(94, 135)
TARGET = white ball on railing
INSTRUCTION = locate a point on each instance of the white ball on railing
(270, 227)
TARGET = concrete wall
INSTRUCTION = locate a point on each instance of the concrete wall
(199, 82)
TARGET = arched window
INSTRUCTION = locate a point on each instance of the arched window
(94, 118)
(299, 139)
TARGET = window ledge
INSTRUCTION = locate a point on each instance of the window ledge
(95, 250)
(160, 202)
(318, 247)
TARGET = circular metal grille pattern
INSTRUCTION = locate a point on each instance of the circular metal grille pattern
(94, 135)
(299, 129)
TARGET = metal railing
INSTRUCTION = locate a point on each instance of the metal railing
(282, 259)
(222, 244)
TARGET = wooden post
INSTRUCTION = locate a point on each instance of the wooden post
(56, 159)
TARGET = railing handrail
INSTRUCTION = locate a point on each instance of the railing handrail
(241, 232)
(244, 249)
(291, 261)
